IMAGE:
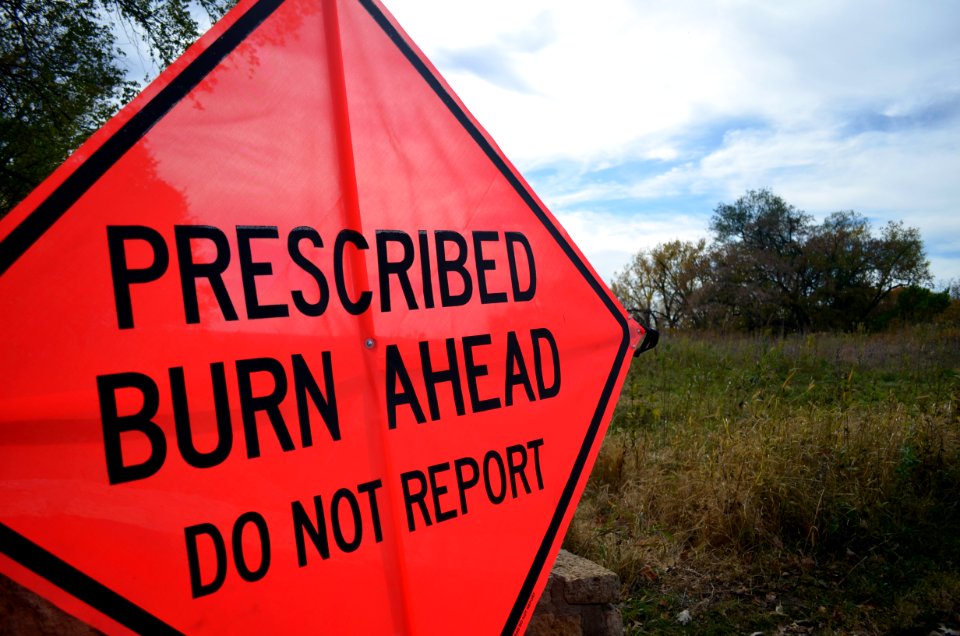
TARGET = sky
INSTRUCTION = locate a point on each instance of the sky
(634, 119)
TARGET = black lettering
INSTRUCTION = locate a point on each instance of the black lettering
(494, 456)
(212, 271)
(239, 558)
(438, 490)
(250, 269)
(431, 378)
(323, 289)
(304, 383)
(269, 403)
(425, 274)
(544, 391)
(114, 425)
(181, 418)
(339, 272)
(419, 498)
(345, 494)
(370, 488)
(317, 532)
(123, 276)
(396, 371)
(475, 371)
(197, 587)
(485, 265)
(386, 267)
(516, 371)
(517, 469)
(447, 266)
(535, 445)
(520, 295)
(466, 483)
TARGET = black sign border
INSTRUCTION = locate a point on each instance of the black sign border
(51, 209)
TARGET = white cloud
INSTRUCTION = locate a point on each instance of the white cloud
(888, 177)
(615, 70)
(908, 176)
(833, 105)
(610, 74)
(609, 240)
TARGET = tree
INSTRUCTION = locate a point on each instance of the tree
(761, 220)
(635, 288)
(61, 76)
(840, 249)
(917, 304)
(952, 287)
(761, 265)
(897, 259)
(858, 270)
(952, 313)
(771, 267)
(663, 283)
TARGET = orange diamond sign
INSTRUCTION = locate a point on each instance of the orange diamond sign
(290, 345)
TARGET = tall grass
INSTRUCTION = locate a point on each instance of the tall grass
(739, 454)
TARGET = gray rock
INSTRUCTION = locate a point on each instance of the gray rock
(23, 612)
(578, 600)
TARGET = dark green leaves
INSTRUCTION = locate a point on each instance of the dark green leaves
(61, 77)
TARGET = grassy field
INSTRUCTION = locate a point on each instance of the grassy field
(801, 485)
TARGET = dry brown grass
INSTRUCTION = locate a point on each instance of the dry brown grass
(739, 459)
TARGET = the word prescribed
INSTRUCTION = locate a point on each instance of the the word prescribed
(461, 266)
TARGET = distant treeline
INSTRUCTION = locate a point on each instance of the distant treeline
(770, 267)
